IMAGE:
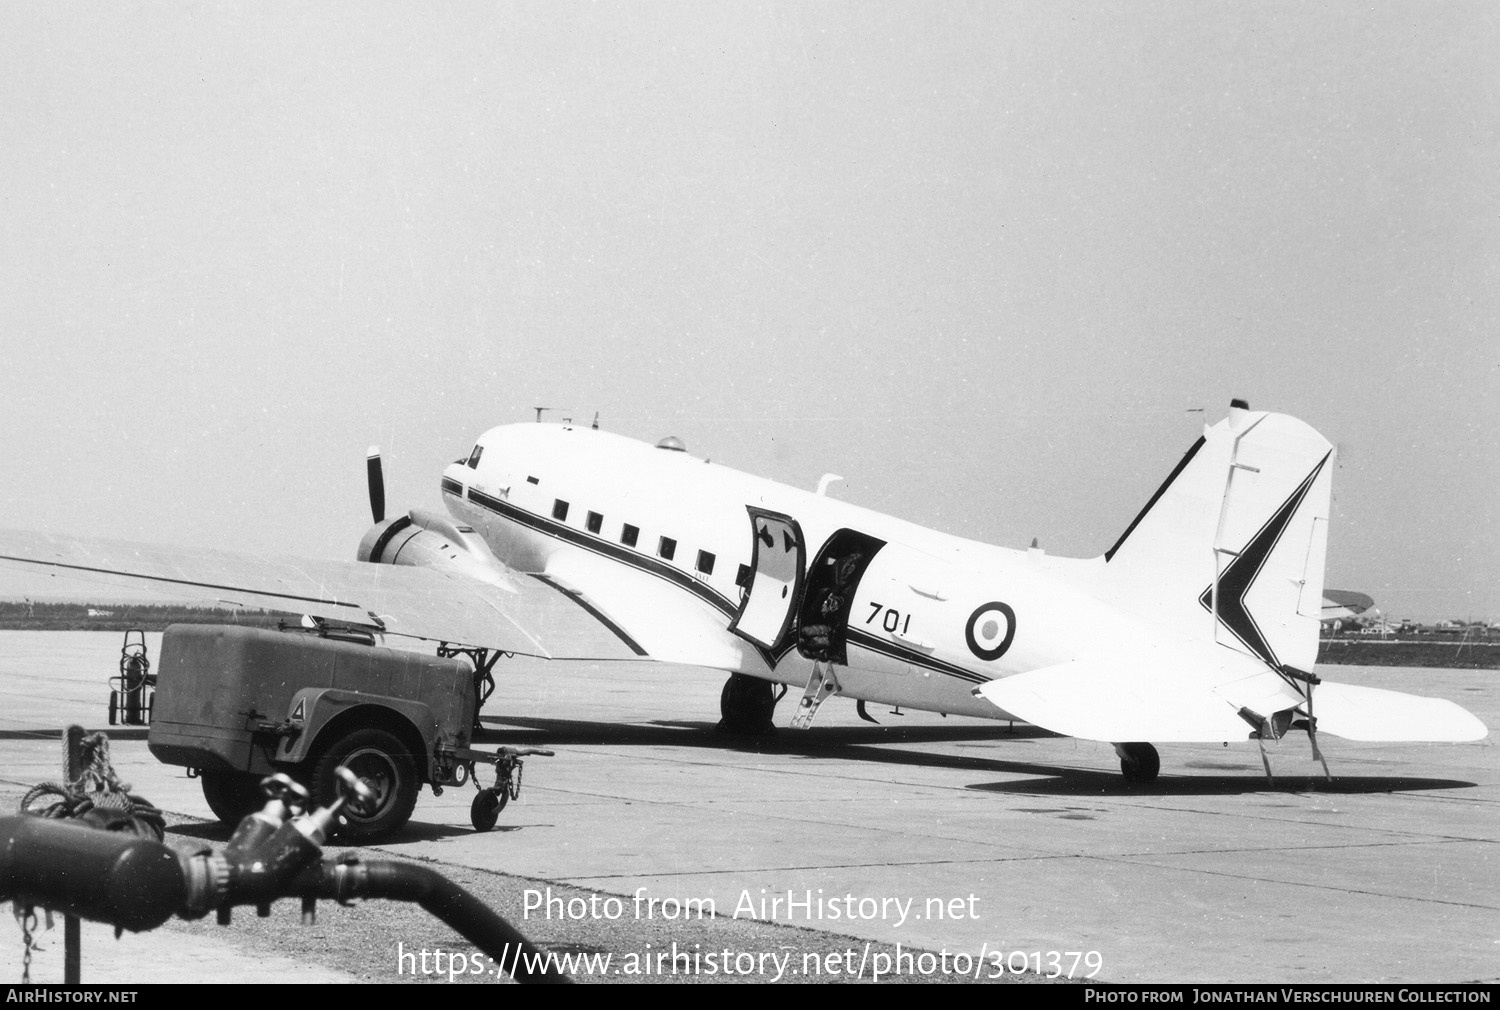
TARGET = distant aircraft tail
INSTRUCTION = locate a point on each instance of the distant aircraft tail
(1233, 543)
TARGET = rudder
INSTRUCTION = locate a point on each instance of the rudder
(1233, 543)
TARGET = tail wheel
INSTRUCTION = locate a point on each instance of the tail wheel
(1139, 762)
(384, 762)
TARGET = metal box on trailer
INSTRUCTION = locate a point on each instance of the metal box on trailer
(235, 704)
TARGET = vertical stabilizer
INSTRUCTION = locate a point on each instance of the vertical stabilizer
(1232, 545)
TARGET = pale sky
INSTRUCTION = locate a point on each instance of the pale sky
(996, 263)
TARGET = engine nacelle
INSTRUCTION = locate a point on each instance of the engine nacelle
(424, 539)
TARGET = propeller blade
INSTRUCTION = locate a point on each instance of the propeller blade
(377, 483)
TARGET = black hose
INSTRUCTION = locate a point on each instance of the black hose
(441, 897)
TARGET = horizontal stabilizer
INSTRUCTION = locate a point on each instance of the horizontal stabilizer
(1095, 700)
(1114, 702)
(1369, 713)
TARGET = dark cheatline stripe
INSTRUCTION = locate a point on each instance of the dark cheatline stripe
(1182, 465)
(594, 611)
(684, 581)
(452, 486)
(867, 641)
(651, 566)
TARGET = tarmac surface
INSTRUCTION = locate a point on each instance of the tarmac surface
(939, 834)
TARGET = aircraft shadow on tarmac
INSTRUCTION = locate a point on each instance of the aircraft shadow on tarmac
(859, 743)
(521, 732)
(1086, 782)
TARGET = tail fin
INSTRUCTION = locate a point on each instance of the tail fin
(1233, 544)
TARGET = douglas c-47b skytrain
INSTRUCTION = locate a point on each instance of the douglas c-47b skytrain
(565, 542)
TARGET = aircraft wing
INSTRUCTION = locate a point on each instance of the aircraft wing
(1341, 603)
(522, 614)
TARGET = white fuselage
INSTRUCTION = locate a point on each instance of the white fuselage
(931, 615)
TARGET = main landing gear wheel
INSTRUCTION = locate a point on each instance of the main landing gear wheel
(746, 705)
(1139, 762)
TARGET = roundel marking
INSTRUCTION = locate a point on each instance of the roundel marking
(983, 632)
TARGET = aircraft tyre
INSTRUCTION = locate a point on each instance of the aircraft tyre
(1139, 762)
(746, 705)
(386, 764)
(232, 795)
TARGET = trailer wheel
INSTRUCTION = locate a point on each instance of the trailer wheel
(386, 764)
(485, 810)
(232, 795)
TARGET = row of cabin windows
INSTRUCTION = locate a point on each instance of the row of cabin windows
(666, 547)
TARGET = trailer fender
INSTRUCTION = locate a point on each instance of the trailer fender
(313, 709)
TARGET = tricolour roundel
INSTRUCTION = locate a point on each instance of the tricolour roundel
(990, 630)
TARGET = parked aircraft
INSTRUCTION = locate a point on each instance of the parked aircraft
(1342, 604)
(567, 542)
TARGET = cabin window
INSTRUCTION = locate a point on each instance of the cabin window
(666, 547)
(629, 535)
(705, 562)
(560, 510)
(532, 480)
(595, 522)
(742, 577)
(474, 456)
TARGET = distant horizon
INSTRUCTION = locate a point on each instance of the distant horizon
(1424, 606)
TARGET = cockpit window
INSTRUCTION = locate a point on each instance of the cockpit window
(474, 456)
